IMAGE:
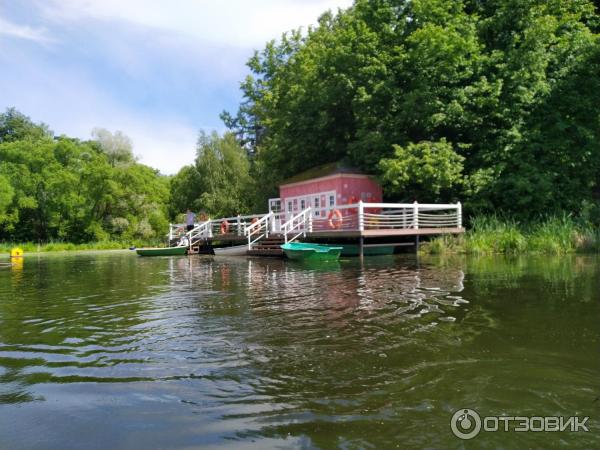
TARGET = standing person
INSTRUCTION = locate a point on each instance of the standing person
(190, 217)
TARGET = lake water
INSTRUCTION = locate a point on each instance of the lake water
(110, 350)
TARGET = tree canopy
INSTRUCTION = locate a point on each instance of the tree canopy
(62, 188)
(218, 182)
(509, 90)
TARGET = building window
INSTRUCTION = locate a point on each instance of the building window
(290, 206)
(302, 205)
(331, 200)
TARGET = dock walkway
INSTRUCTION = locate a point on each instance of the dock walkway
(363, 224)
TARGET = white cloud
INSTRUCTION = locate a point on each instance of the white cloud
(72, 104)
(206, 43)
(235, 22)
(24, 32)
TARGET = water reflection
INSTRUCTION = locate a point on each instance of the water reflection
(348, 354)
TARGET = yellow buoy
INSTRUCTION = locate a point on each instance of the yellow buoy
(16, 252)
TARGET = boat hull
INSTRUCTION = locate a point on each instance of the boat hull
(235, 250)
(311, 252)
(354, 250)
(169, 251)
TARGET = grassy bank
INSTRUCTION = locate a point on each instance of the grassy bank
(32, 247)
(491, 234)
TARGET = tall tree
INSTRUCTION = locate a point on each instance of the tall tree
(509, 85)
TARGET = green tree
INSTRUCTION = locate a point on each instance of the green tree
(76, 191)
(15, 126)
(426, 170)
(512, 84)
(219, 182)
(117, 146)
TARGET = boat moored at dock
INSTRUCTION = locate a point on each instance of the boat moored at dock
(166, 251)
(311, 252)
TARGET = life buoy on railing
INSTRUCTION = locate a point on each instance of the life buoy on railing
(351, 201)
(335, 219)
(224, 227)
(256, 229)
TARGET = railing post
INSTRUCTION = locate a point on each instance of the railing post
(361, 217)
(310, 217)
(459, 214)
(170, 233)
(267, 226)
(416, 215)
(239, 225)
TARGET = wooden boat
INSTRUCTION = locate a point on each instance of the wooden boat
(167, 251)
(311, 252)
(234, 250)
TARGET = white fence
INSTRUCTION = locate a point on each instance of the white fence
(356, 217)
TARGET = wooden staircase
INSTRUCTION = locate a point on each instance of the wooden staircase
(268, 247)
(200, 248)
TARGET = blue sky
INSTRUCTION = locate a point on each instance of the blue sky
(157, 70)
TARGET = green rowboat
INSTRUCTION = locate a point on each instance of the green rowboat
(311, 252)
(168, 251)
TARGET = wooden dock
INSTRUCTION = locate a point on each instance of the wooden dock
(367, 225)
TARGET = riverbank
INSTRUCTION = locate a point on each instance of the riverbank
(32, 247)
(493, 235)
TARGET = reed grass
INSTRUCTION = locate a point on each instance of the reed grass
(486, 235)
(59, 246)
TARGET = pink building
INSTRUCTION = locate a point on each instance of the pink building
(323, 188)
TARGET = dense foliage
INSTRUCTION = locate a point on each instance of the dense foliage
(493, 103)
(496, 103)
(58, 188)
(218, 183)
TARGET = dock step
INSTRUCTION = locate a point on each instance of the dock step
(269, 252)
(268, 247)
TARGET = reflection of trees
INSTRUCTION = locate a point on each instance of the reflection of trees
(288, 348)
(562, 274)
(324, 340)
(68, 311)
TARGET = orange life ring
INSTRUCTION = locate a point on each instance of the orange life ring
(224, 227)
(254, 220)
(352, 200)
(335, 219)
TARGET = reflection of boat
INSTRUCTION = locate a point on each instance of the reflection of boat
(234, 250)
(311, 252)
(167, 251)
(315, 265)
(353, 250)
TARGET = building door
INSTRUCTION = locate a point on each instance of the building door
(316, 205)
(275, 205)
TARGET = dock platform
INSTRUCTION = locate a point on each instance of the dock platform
(366, 225)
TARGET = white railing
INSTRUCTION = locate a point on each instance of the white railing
(387, 216)
(235, 225)
(201, 231)
(300, 224)
(355, 217)
(259, 229)
(176, 230)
